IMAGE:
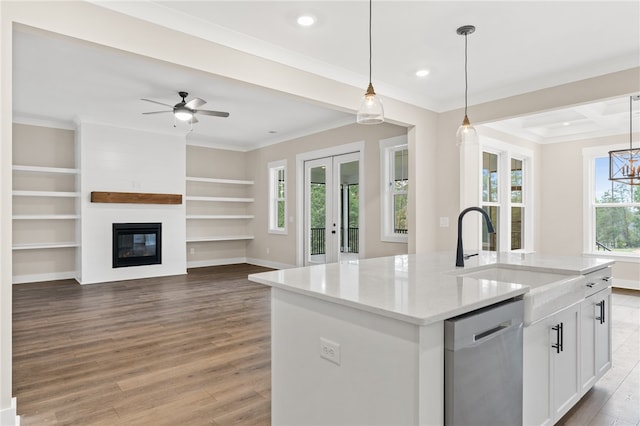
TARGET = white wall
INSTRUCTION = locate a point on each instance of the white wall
(281, 249)
(125, 160)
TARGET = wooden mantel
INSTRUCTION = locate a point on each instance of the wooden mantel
(135, 198)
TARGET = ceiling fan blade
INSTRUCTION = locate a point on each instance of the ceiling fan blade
(213, 113)
(156, 102)
(195, 103)
(193, 120)
(155, 112)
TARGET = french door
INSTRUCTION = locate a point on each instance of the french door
(331, 208)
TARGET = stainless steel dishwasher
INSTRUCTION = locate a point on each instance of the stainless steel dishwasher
(483, 366)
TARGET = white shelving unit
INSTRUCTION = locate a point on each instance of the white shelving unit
(45, 207)
(219, 206)
(214, 207)
(53, 172)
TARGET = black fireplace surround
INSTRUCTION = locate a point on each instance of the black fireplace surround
(136, 244)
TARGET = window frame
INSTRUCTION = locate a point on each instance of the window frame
(274, 167)
(506, 152)
(589, 156)
(387, 149)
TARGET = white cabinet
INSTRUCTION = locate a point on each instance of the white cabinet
(551, 360)
(565, 360)
(567, 352)
(596, 338)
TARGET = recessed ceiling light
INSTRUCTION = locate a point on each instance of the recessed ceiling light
(566, 123)
(306, 20)
(422, 73)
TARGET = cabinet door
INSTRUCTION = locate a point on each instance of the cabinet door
(603, 332)
(536, 391)
(595, 334)
(588, 327)
(565, 360)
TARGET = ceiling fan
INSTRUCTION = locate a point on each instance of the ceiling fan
(185, 111)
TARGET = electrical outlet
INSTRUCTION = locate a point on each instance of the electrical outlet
(330, 350)
(444, 222)
(268, 250)
(192, 250)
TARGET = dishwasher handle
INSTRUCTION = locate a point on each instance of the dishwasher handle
(492, 332)
(477, 327)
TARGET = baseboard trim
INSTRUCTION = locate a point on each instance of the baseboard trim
(628, 284)
(269, 264)
(34, 278)
(9, 416)
(216, 262)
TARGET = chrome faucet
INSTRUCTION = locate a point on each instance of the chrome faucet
(460, 257)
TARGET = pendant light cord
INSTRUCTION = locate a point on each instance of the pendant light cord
(370, 50)
(630, 122)
(466, 84)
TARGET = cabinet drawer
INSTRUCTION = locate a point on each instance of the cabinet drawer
(597, 281)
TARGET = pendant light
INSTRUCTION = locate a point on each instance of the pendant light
(624, 164)
(466, 132)
(370, 111)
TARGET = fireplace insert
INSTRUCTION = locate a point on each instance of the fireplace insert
(136, 244)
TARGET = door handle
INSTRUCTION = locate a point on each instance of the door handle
(333, 232)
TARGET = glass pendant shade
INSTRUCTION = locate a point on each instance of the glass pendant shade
(371, 110)
(466, 133)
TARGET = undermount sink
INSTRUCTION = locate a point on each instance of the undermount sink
(549, 292)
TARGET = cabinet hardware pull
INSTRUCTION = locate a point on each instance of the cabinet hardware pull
(607, 279)
(558, 345)
(561, 337)
(590, 285)
(601, 318)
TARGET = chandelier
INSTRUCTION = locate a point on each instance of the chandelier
(624, 164)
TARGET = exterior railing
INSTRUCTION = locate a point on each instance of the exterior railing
(318, 242)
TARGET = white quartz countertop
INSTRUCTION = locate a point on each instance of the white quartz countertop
(422, 288)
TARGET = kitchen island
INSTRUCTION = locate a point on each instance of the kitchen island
(362, 342)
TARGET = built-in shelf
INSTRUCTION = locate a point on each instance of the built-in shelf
(216, 180)
(220, 238)
(60, 194)
(45, 216)
(41, 169)
(220, 199)
(38, 246)
(220, 216)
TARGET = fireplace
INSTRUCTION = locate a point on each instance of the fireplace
(136, 244)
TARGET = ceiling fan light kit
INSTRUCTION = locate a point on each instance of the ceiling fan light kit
(370, 110)
(186, 111)
(466, 132)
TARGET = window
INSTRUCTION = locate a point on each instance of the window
(612, 223)
(394, 165)
(277, 197)
(506, 197)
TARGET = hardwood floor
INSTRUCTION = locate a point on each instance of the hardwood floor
(192, 349)
(195, 350)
